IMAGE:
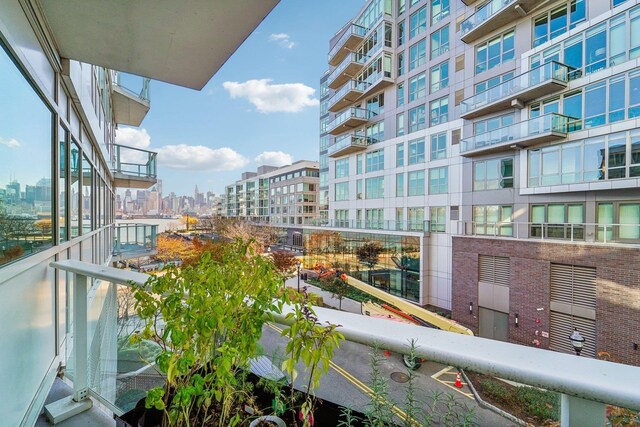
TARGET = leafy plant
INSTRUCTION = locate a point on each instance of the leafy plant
(380, 407)
(208, 319)
(312, 343)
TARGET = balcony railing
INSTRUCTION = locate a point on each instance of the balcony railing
(348, 42)
(134, 167)
(537, 130)
(586, 384)
(346, 70)
(346, 145)
(542, 80)
(386, 225)
(571, 232)
(347, 95)
(492, 16)
(135, 240)
(130, 107)
(349, 119)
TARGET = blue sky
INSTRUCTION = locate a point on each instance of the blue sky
(239, 109)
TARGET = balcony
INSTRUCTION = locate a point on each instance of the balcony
(592, 233)
(350, 118)
(516, 92)
(347, 69)
(547, 128)
(346, 145)
(349, 41)
(493, 15)
(377, 82)
(346, 96)
(385, 225)
(133, 167)
(134, 241)
(468, 2)
(130, 108)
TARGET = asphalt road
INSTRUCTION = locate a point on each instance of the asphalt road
(347, 382)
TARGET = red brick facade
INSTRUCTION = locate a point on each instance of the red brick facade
(617, 288)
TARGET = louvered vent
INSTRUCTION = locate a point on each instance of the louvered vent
(494, 269)
(561, 328)
(573, 285)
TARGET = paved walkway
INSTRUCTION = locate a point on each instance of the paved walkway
(347, 304)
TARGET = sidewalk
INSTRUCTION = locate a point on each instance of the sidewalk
(347, 304)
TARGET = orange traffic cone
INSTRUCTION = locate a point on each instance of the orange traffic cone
(458, 382)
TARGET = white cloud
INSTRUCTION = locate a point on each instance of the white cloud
(271, 98)
(274, 158)
(200, 158)
(282, 39)
(135, 138)
(11, 143)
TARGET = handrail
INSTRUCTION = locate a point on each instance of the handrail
(353, 29)
(483, 14)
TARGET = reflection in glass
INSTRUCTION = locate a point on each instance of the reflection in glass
(26, 224)
(87, 188)
(62, 184)
(76, 164)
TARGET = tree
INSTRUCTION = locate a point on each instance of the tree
(173, 248)
(285, 262)
(260, 236)
(369, 254)
(199, 247)
(338, 287)
(189, 222)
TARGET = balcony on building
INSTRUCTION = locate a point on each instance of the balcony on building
(350, 118)
(468, 2)
(347, 95)
(538, 130)
(134, 167)
(348, 68)
(134, 241)
(518, 91)
(347, 144)
(348, 42)
(378, 81)
(423, 227)
(493, 15)
(130, 107)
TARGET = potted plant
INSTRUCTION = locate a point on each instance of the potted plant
(207, 319)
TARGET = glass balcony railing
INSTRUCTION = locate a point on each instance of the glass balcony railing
(346, 145)
(354, 31)
(536, 130)
(532, 84)
(388, 225)
(135, 239)
(135, 162)
(353, 87)
(143, 94)
(482, 16)
(353, 60)
(350, 117)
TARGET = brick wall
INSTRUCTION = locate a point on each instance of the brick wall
(617, 288)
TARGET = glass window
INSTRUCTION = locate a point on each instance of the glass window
(401, 33)
(374, 218)
(342, 168)
(359, 164)
(558, 21)
(440, 42)
(494, 52)
(417, 54)
(375, 161)
(439, 77)
(557, 220)
(596, 49)
(493, 220)
(415, 181)
(374, 187)
(595, 105)
(439, 146)
(618, 40)
(617, 102)
(634, 51)
(26, 137)
(400, 124)
(437, 219)
(439, 111)
(400, 154)
(87, 195)
(416, 151)
(634, 93)
(438, 180)
(400, 185)
(617, 151)
(63, 151)
(400, 95)
(402, 4)
(418, 22)
(417, 88)
(416, 219)
(439, 10)
(634, 168)
(400, 63)
(341, 191)
(417, 118)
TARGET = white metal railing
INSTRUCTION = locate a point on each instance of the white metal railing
(586, 384)
(572, 232)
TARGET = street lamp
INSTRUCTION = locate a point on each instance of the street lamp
(298, 265)
(577, 341)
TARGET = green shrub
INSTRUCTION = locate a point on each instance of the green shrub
(495, 390)
(542, 404)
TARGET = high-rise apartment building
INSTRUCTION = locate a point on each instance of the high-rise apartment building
(491, 149)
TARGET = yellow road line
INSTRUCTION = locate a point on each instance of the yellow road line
(353, 380)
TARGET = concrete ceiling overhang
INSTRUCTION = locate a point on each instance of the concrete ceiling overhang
(183, 42)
